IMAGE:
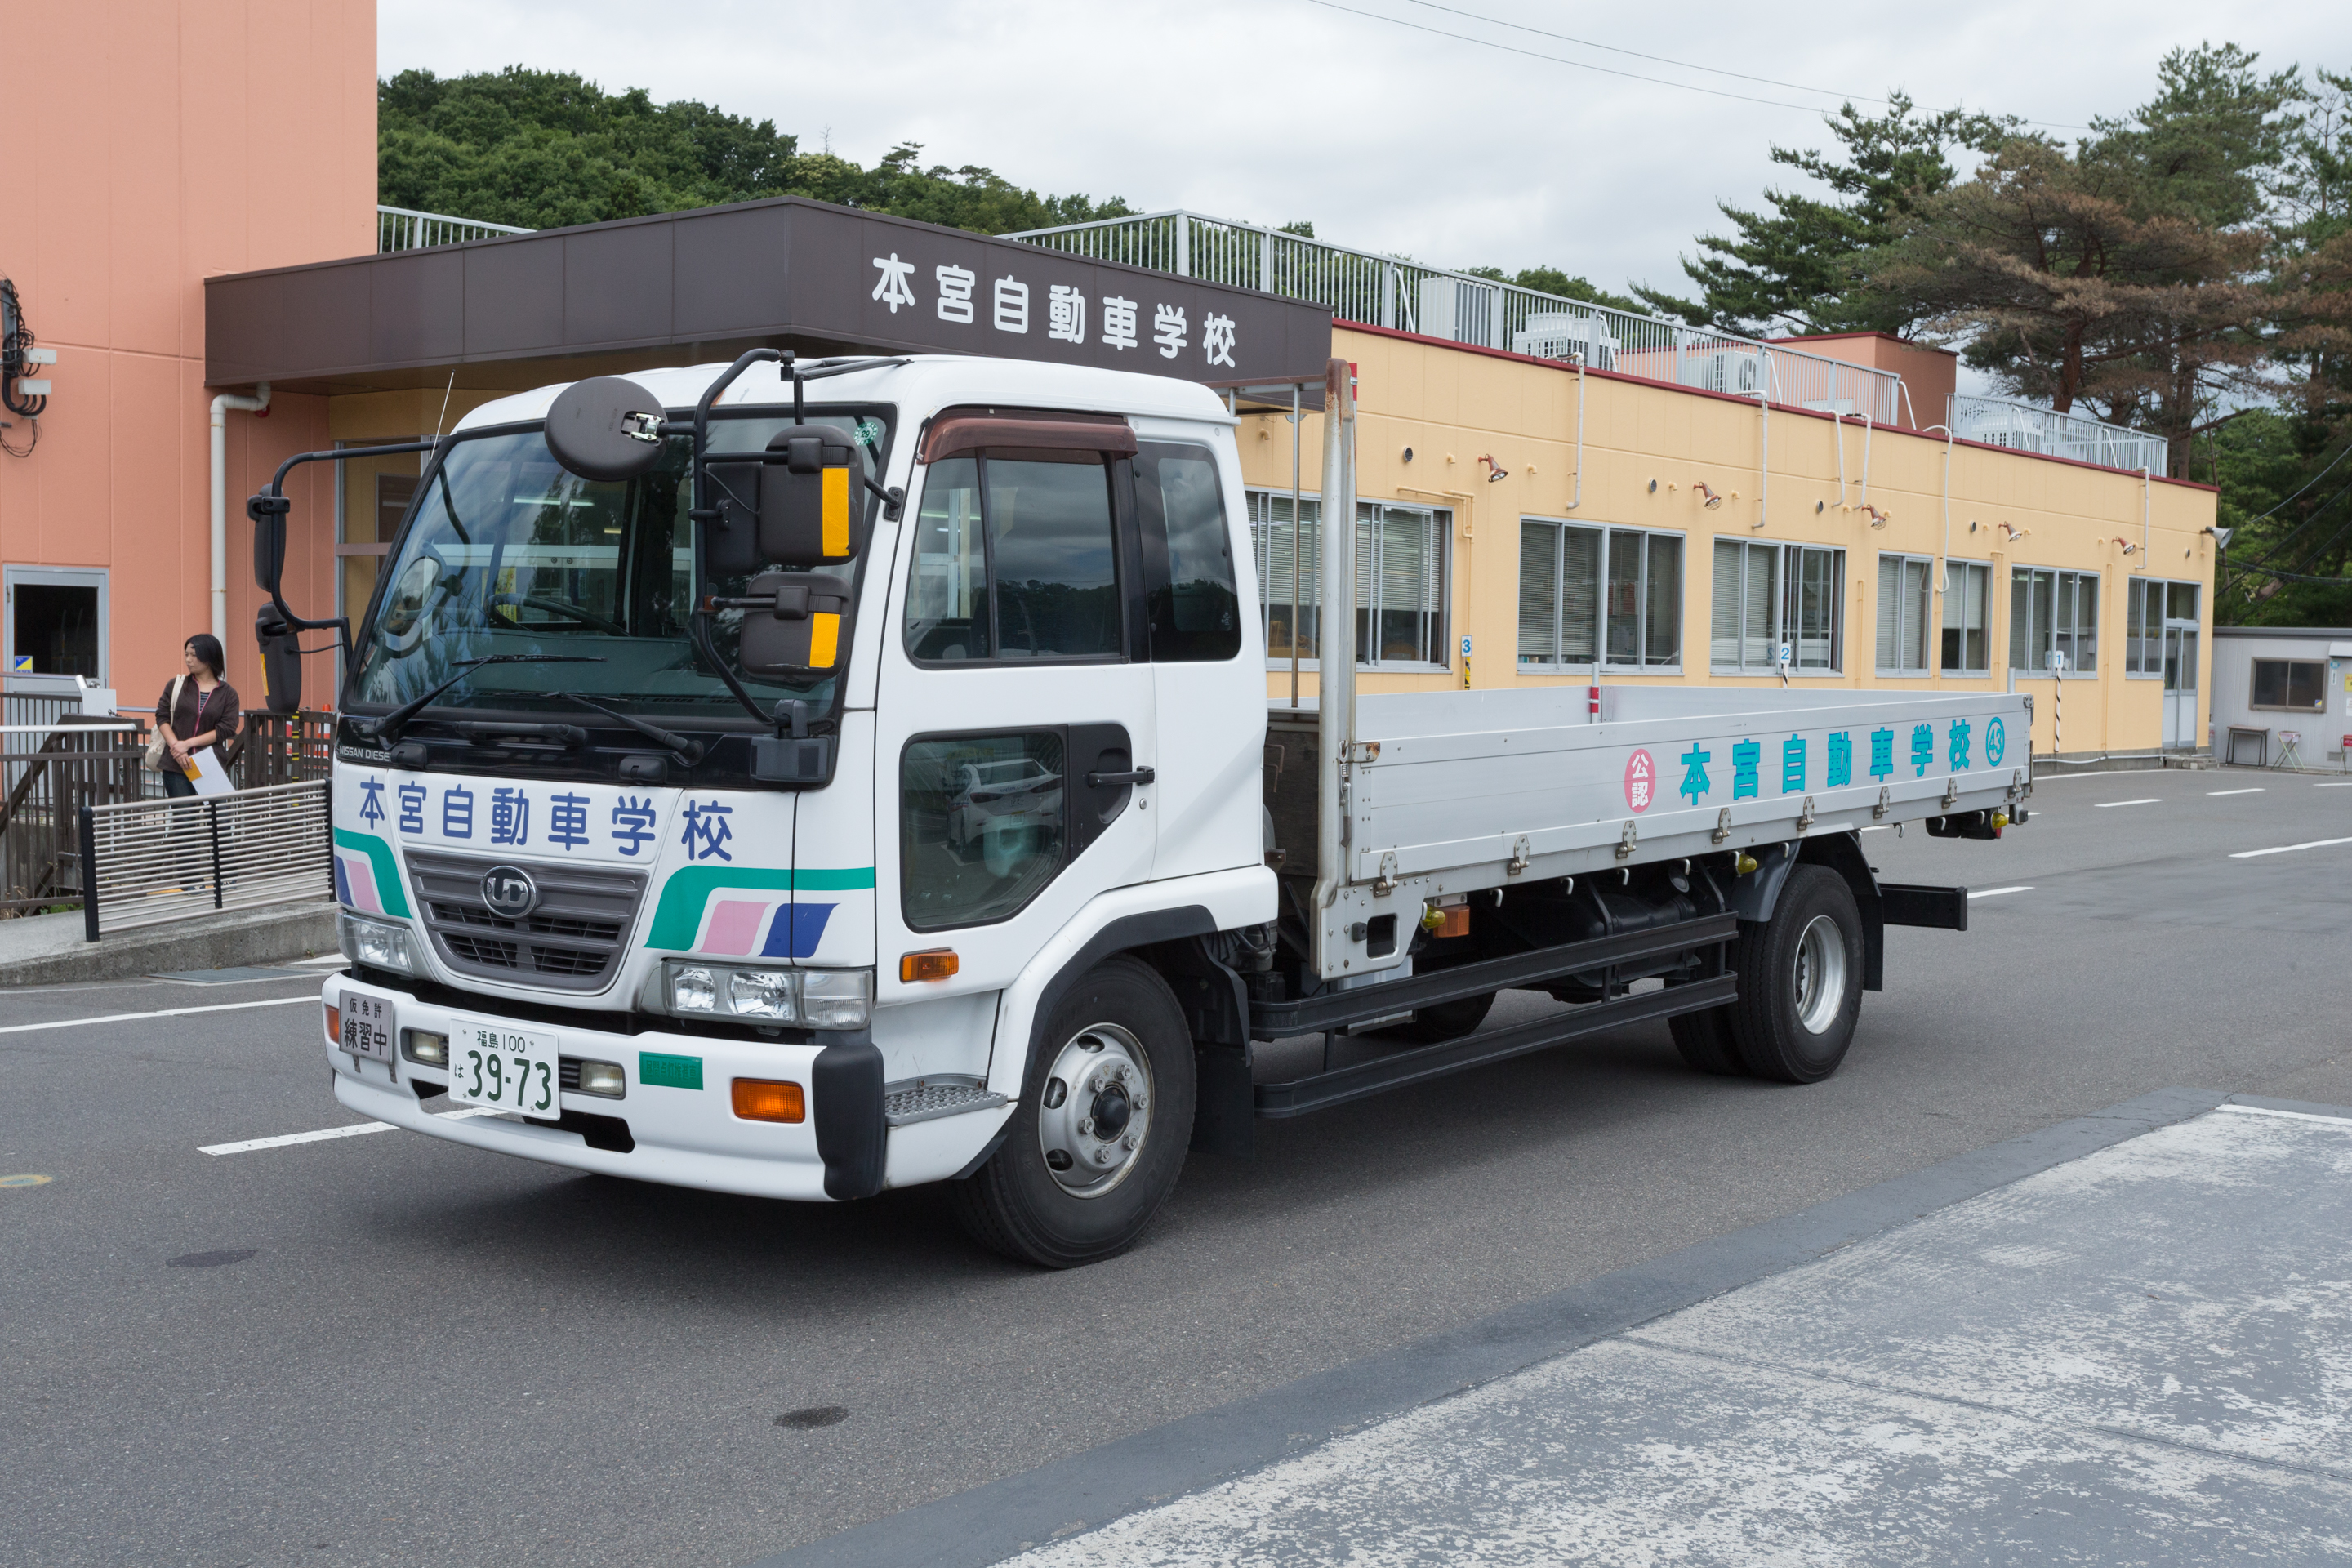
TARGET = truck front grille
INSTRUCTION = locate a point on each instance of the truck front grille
(573, 941)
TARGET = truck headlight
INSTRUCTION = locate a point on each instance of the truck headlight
(770, 994)
(693, 988)
(379, 944)
(837, 998)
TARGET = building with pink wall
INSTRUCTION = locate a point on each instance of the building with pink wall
(174, 141)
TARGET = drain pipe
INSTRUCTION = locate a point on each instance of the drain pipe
(221, 406)
(2143, 483)
(1944, 584)
(1579, 499)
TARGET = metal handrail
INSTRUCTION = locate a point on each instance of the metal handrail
(2023, 426)
(1392, 292)
(406, 228)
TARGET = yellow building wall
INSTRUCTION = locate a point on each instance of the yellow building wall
(1452, 405)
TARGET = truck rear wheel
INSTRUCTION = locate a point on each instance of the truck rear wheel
(1704, 1040)
(1800, 980)
(1096, 1140)
(1446, 1021)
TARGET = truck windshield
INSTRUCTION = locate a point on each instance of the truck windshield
(505, 553)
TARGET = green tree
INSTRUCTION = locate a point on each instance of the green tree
(1553, 280)
(545, 149)
(1801, 266)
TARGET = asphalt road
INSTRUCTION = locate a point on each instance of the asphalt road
(434, 1354)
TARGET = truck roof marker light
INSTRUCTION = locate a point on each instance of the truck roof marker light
(764, 1100)
(936, 963)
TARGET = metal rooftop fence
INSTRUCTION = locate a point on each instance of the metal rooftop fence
(1391, 292)
(2022, 426)
(404, 228)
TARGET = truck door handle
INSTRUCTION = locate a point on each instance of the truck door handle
(1103, 780)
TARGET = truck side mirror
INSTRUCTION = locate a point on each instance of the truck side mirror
(810, 513)
(799, 628)
(281, 661)
(268, 514)
(605, 428)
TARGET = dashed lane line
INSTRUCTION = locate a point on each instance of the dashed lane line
(1996, 892)
(2256, 790)
(2289, 848)
(311, 997)
(2145, 800)
(246, 1146)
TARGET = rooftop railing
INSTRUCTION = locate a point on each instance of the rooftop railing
(403, 228)
(1392, 291)
(2004, 422)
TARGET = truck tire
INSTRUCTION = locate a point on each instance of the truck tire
(1800, 980)
(1446, 1021)
(1704, 1040)
(1098, 1135)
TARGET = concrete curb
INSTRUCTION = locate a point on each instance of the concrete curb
(992, 1522)
(49, 950)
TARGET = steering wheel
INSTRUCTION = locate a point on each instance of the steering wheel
(558, 607)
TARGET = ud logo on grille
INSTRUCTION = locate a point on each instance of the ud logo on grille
(510, 891)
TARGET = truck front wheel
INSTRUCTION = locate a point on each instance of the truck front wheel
(1094, 1146)
(1800, 980)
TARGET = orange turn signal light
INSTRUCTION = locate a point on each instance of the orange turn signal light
(334, 1025)
(937, 963)
(762, 1100)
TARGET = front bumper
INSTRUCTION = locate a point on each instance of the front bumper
(685, 1136)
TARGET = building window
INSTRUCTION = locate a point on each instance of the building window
(1904, 602)
(2149, 603)
(1766, 595)
(1400, 579)
(1967, 595)
(1585, 594)
(2053, 616)
(2291, 685)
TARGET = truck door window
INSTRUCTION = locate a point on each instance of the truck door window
(1014, 558)
(981, 825)
(1191, 597)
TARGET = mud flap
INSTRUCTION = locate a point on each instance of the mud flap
(845, 1082)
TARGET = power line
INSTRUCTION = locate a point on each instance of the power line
(1629, 76)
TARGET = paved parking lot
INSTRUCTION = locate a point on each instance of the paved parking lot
(378, 1348)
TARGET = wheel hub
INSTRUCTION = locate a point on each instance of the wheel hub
(1094, 1113)
(1819, 977)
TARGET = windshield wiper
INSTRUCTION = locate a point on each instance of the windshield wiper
(388, 728)
(688, 752)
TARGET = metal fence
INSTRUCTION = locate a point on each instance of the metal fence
(1391, 292)
(52, 771)
(156, 861)
(2002, 422)
(404, 228)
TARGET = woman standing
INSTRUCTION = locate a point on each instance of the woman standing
(197, 709)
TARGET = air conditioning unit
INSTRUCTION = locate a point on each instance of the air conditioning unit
(1740, 371)
(1460, 310)
(1568, 335)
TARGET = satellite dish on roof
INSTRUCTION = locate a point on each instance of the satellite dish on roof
(606, 428)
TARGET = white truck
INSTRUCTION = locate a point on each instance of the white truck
(806, 779)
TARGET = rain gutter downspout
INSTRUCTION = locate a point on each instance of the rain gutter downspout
(222, 405)
(1579, 499)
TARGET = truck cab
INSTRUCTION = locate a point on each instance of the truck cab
(584, 900)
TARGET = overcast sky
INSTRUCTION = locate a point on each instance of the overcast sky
(1387, 138)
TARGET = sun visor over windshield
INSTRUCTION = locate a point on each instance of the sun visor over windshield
(959, 431)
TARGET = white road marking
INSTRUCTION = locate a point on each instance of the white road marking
(2335, 784)
(2344, 1122)
(324, 1133)
(1996, 892)
(2289, 848)
(2256, 790)
(164, 1013)
(2146, 800)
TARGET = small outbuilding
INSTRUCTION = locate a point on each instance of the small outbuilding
(2281, 694)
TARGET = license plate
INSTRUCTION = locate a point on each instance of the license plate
(367, 1026)
(494, 1066)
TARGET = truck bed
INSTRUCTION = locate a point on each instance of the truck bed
(1454, 792)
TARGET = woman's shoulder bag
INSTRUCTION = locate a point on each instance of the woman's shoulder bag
(159, 754)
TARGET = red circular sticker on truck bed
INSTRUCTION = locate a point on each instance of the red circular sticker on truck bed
(1640, 773)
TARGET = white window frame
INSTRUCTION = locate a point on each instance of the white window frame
(1557, 665)
(17, 577)
(2134, 598)
(1943, 621)
(1790, 587)
(1260, 504)
(1930, 639)
(2058, 576)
